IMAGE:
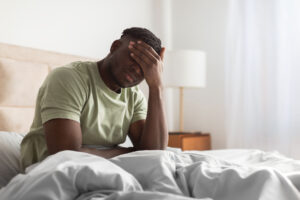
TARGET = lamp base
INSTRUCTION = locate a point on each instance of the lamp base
(181, 108)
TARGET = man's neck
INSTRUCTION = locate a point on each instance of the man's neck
(104, 71)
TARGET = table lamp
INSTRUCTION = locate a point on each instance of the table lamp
(184, 69)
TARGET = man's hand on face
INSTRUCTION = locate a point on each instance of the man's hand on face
(150, 62)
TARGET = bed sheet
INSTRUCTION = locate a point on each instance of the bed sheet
(157, 175)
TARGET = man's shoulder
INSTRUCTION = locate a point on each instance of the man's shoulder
(72, 75)
(74, 66)
(71, 70)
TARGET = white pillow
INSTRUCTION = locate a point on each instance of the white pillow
(9, 156)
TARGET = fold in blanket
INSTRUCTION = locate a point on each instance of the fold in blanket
(148, 175)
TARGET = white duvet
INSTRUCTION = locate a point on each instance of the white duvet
(170, 175)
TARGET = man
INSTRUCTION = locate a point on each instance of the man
(92, 106)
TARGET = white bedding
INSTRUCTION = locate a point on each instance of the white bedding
(9, 156)
(159, 175)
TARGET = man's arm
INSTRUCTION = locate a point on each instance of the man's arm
(65, 134)
(151, 133)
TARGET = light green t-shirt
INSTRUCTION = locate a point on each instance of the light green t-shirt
(77, 92)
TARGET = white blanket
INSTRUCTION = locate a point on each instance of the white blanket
(157, 175)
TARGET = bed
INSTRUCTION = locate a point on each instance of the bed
(233, 174)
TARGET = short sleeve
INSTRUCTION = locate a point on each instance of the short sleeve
(140, 106)
(62, 95)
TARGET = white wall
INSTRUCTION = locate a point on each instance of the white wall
(81, 27)
(201, 24)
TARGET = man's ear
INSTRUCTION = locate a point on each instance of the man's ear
(115, 45)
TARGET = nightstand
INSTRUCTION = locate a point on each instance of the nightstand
(190, 140)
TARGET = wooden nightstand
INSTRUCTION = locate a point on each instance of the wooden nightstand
(190, 140)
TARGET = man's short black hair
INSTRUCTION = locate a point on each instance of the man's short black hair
(145, 35)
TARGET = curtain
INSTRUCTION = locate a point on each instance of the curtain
(262, 76)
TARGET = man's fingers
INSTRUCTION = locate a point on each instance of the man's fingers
(144, 51)
(138, 60)
(140, 54)
(149, 48)
(153, 52)
(162, 53)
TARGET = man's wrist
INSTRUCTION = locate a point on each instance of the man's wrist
(157, 91)
(156, 87)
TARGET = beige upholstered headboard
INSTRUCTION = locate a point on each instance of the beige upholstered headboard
(22, 71)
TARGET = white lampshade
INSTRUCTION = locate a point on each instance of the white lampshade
(184, 68)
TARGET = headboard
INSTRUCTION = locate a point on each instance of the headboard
(22, 71)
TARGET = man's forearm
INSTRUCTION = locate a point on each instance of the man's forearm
(155, 132)
(107, 153)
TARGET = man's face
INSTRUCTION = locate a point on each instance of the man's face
(125, 71)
